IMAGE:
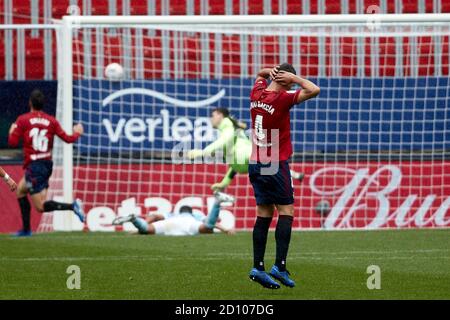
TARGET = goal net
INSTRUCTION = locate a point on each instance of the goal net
(373, 146)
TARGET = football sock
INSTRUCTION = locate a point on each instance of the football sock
(25, 209)
(56, 206)
(141, 225)
(260, 231)
(213, 215)
(283, 237)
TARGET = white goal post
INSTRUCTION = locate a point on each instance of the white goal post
(358, 142)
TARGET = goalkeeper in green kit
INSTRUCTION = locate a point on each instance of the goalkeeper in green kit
(234, 144)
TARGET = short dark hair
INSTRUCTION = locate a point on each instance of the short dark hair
(37, 99)
(224, 111)
(287, 67)
(226, 114)
(186, 209)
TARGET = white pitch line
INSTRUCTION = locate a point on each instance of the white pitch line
(165, 258)
(349, 252)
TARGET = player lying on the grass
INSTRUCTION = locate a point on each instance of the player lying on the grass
(8, 180)
(271, 148)
(235, 145)
(186, 223)
(37, 129)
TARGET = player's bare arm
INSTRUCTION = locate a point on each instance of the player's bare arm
(8, 180)
(309, 89)
(154, 217)
(12, 128)
(78, 131)
(267, 73)
(225, 230)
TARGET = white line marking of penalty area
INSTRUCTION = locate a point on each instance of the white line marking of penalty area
(165, 258)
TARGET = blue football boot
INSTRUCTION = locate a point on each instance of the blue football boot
(263, 279)
(23, 233)
(282, 276)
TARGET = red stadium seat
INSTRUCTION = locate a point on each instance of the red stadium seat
(216, 7)
(445, 6)
(410, 6)
(21, 11)
(406, 57)
(256, 7)
(426, 56)
(59, 9)
(294, 7)
(445, 56)
(390, 6)
(231, 45)
(387, 56)
(308, 56)
(348, 57)
(35, 68)
(100, 7)
(34, 53)
(140, 10)
(313, 7)
(179, 9)
(152, 57)
(332, 7)
(429, 6)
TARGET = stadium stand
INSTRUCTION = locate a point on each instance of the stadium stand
(40, 64)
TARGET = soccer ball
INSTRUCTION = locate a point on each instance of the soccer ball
(323, 207)
(114, 72)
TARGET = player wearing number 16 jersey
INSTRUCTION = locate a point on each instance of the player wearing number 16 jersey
(37, 129)
(269, 169)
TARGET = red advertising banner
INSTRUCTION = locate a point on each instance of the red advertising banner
(333, 195)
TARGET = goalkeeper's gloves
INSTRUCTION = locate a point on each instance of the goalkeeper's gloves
(221, 185)
(195, 153)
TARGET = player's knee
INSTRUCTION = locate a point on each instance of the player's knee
(204, 229)
(150, 229)
(286, 212)
(265, 211)
(20, 193)
(39, 206)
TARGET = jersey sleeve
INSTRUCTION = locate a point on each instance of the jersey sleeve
(258, 86)
(290, 98)
(59, 131)
(295, 98)
(14, 137)
(198, 216)
(168, 215)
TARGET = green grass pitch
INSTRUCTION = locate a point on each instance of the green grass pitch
(414, 264)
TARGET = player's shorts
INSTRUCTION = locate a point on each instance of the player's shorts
(178, 226)
(37, 175)
(273, 188)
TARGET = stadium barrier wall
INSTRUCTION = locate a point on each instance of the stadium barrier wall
(374, 195)
(351, 114)
(397, 203)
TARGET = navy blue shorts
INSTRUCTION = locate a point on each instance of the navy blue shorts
(275, 188)
(37, 175)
